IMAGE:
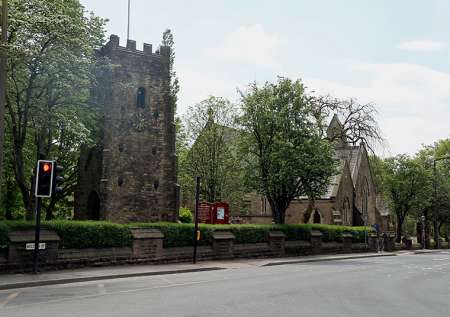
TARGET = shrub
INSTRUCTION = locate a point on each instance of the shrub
(76, 234)
(90, 234)
(102, 234)
(185, 215)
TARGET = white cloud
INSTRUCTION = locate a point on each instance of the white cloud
(248, 44)
(413, 102)
(422, 45)
(200, 83)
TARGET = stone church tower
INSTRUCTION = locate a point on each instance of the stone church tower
(131, 175)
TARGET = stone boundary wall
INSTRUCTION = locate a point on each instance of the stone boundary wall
(148, 248)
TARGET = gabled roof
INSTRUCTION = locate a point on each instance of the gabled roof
(335, 182)
(353, 155)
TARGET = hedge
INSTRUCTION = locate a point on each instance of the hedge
(101, 234)
(77, 234)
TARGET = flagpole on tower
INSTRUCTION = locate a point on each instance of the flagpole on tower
(128, 25)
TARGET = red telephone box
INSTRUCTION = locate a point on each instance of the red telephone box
(217, 213)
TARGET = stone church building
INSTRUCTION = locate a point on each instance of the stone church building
(130, 176)
(351, 197)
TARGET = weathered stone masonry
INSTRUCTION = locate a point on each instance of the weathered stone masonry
(131, 175)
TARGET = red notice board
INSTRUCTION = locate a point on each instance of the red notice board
(214, 213)
(221, 214)
(205, 213)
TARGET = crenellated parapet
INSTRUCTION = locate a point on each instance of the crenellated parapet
(114, 44)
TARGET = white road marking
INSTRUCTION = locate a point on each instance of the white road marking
(101, 289)
(8, 299)
(112, 293)
(165, 280)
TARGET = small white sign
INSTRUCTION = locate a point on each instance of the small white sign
(220, 213)
(30, 246)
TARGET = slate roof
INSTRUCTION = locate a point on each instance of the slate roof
(353, 156)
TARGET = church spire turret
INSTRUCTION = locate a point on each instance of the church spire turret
(336, 133)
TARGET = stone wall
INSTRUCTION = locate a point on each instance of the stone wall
(148, 248)
(364, 181)
(87, 192)
(295, 212)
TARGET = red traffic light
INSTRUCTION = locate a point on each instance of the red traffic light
(44, 178)
(46, 167)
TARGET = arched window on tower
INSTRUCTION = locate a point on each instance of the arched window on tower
(140, 97)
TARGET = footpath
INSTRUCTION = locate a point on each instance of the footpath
(14, 281)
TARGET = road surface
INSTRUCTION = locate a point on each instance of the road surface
(406, 285)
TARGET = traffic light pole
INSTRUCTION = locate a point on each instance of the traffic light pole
(37, 235)
(37, 209)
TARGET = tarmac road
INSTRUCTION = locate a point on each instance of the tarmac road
(405, 285)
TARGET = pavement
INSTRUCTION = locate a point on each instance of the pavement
(13, 281)
(408, 284)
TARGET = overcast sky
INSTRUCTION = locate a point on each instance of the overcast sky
(392, 53)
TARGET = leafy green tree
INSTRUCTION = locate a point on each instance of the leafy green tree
(213, 152)
(167, 40)
(408, 185)
(288, 156)
(50, 72)
(439, 149)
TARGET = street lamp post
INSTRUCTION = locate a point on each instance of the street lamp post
(365, 231)
(423, 231)
(437, 242)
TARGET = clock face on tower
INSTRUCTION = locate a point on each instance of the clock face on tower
(139, 122)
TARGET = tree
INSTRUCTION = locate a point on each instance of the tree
(426, 155)
(50, 71)
(288, 156)
(213, 153)
(359, 123)
(408, 185)
(167, 40)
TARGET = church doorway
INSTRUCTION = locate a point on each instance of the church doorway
(93, 208)
(316, 218)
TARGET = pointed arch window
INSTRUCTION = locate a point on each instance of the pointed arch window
(140, 97)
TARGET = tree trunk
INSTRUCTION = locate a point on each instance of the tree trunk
(309, 210)
(279, 207)
(49, 210)
(441, 223)
(399, 229)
